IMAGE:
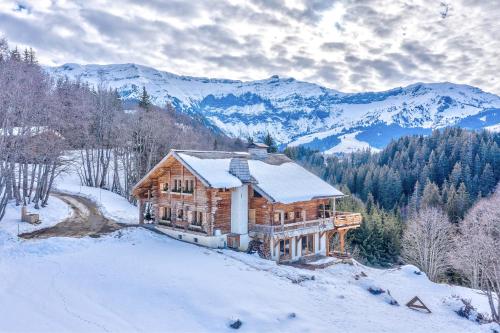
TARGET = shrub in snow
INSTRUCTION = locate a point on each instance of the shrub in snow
(301, 278)
(391, 300)
(467, 310)
(417, 272)
(376, 290)
(236, 324)
(253, 246)
(292, 315)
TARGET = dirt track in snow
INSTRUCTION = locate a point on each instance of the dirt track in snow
(86, 220)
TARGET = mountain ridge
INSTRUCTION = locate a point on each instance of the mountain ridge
(298, 112)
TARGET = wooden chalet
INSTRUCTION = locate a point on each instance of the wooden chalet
(227, 199)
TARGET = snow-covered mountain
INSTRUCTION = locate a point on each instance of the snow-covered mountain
(297, 112)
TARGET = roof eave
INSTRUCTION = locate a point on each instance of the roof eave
(174, 154)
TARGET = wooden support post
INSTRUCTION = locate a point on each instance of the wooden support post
(342, 236)
(141, 211)
(327, 243)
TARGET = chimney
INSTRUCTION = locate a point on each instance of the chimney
(238, 167)
(258, 151)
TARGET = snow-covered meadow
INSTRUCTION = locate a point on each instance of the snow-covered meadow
(135, 280)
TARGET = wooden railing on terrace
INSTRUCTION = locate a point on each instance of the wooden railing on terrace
(342, 219)
(324, 223)
(347, 219)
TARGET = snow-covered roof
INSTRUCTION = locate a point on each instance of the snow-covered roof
(276, 177)
(214, 171)
(289, 182)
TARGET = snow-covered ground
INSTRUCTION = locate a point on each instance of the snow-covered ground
(493, 128)
(11, 224)
(111, 204)
(135, 280)
(349, 143)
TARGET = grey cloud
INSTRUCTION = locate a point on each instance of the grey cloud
(241, 62)
(29, 33)
(333, 46)
(329, 73)
(422, 54)
(302, 62)
(405, 62)
(380, 23)
(405, 42)
(311, 14)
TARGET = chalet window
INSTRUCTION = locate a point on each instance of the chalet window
(277, 217)
(164, 187)
(177, 185)
(291, 216)
(285, 249)
(308, 244)
(198, 218)
(188, 186)
(180, 214)
(324, 211)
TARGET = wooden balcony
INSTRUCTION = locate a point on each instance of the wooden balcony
(341, 220)
(347, 219)
(295, 228)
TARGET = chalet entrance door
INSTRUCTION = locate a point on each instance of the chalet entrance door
(285, 249)
(307, 244)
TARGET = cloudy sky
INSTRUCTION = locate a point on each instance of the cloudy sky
(347, 45)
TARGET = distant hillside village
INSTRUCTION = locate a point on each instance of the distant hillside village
(198, 185)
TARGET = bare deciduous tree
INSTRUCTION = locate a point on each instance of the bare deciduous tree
(477, 250)
(427, 241)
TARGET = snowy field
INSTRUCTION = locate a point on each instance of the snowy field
(137, 281)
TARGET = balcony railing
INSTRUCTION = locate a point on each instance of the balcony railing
(342, 219)
(319, 224)
(347, 219)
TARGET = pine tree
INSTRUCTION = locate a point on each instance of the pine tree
(456, 174)
(15, 55)
(431, 196)
(145, 101)
(487, 181)
(269, 141)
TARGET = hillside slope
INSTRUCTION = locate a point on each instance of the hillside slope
(297, 112)
(135, 280)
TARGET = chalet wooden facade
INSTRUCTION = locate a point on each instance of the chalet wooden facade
(229, 199)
